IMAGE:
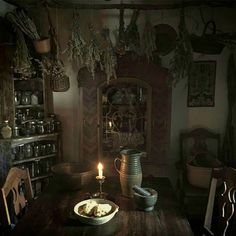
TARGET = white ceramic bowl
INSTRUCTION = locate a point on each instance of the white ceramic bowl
(96, 220)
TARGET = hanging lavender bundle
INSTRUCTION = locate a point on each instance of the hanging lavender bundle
(76, 45)
(22, 60)
(22, 21)
(148, 39)
(109, 57)
(93, 53)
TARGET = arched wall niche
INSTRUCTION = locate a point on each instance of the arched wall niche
(138, 68)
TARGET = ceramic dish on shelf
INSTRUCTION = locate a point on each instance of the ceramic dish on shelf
(95, 220)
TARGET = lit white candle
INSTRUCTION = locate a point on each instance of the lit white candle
(110, 124)
(100, 170)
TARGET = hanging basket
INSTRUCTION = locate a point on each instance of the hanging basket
(206, 43)
(60, 83)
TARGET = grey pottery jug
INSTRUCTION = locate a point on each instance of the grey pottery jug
(130, 170)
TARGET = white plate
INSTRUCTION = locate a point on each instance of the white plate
(96, 220)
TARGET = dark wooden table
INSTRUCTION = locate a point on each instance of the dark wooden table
(52, 213)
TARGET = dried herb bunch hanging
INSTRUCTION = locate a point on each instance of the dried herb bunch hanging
(76, 45)
(120, 35)
(53, 66)
(22, 61)
(127, 38)
(21, 20)
(148, 39)
(132, 38)
(93, 53)
(181, 64)
(109, 57)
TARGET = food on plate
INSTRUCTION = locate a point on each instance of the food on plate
(88, 208)
(102, 209)
(92, 208)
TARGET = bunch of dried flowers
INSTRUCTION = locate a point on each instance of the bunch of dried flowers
(76, 45)
(181, 65)
(93, 53)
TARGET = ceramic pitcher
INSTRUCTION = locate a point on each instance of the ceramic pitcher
(130, 170)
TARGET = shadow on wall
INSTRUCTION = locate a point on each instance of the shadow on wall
(70, 140)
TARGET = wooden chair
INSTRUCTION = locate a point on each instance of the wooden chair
(18, 185)
(192, 198)
(226, 203)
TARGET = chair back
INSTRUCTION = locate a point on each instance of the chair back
(16, 179)
(225, 201)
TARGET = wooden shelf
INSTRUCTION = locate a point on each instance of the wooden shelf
(29, 79)
(41, 177)
(38, 137)
(29, 106)
(32, 159)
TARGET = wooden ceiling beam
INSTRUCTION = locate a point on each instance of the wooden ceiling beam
(160, 6)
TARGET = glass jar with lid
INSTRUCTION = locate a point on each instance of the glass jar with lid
(6, 130)
(17, 95)
(31, 126)
(34, 98)
(26, 98)
(28, 149)
(40, 127)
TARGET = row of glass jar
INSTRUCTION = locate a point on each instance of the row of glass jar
(35, 127)
(34, 149)
(32, 127)
(22, 115)
(28, 97)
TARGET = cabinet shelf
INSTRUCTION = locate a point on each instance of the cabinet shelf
(29, 79)
(38, 137)
(41, 177)
(29, 106)
(17, 91)
(33, 159)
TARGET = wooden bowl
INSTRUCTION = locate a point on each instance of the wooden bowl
(73, 175)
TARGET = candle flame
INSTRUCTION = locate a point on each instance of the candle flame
(100, 170)
(100, 166)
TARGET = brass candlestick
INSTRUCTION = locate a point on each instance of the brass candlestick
(100, 180)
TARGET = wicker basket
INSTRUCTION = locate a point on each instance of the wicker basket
(199, 176)
(199, 172)
(60, 83)
(206, 43)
